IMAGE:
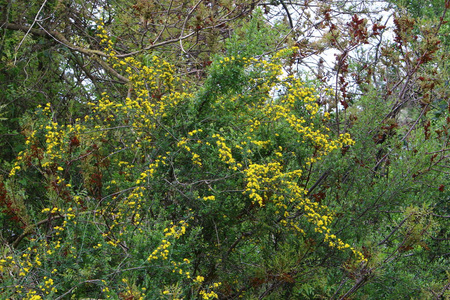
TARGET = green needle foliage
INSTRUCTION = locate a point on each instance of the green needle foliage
(162, 154)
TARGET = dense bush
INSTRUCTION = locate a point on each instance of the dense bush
(244, 178)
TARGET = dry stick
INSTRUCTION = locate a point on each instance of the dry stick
(291, 24)
(28, 31)
(109, 69)
(156, 45)
(57, 36)
(279, 45)
(393, 231)
(359, 283)
(442, 18)
(336, 101)
(339, 288)
(30, 228)
(440, 216)
(185, 21)
(324, 176)
(165, 24)
(441, 295)
(74, 287)
(244, 234)
(53, 34)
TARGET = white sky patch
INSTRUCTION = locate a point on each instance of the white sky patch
(378, 12)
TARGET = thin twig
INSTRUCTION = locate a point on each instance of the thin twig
(28, 31)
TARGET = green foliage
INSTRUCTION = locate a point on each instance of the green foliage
(174, 192)
(256, 37)
(123, 179)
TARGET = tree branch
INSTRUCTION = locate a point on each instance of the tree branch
(54, 35)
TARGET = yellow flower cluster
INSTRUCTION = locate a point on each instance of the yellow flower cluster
(47, 286)
(259, 178)
(209, 198)
(6, 263)
(183, 144)
(268, 178)
(105, 40)
(208, 295)
(271, 181)
(32, 258)
(150, 172)
(286, 52)
(207, 292)
(225, 152)
(24, 265)
(162, 251)
(31, 295)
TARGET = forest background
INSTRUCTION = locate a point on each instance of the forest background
(212, 149)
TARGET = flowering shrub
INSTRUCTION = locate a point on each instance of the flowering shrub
(170, 193)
